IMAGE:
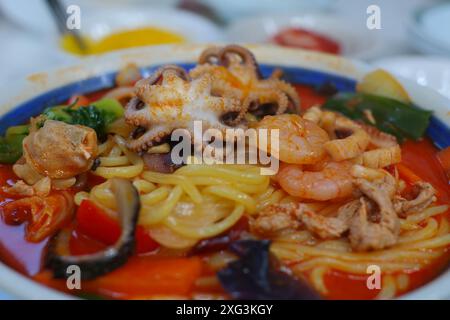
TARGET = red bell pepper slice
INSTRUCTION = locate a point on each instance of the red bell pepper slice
(93, 222)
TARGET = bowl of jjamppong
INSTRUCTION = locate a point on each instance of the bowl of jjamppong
(89, 187)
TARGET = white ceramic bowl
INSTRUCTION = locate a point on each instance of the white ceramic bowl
(19, 91)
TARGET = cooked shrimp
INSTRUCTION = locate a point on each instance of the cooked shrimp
(301, 141)
(333, 181)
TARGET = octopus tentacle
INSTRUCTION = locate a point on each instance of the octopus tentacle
(209, 54)
(149, 139)
(156, 76)
(241, 112)
(247, 57)
(291, 93)
(278, 98)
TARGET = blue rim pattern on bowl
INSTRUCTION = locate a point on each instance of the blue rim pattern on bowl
(438, 131)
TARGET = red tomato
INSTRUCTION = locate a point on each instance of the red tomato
(96, 224)
(305, 39)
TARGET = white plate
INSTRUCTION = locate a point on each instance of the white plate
(191, 26)
(35, 17)
(356, 42)
(21, 90)
(429, 29)
(194, 28)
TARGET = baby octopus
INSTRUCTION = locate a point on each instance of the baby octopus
(169, 100)
(236, 73)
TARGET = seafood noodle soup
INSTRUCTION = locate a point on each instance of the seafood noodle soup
(358, 207)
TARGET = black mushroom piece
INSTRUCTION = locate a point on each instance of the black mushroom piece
(97, 264)
(257, 275)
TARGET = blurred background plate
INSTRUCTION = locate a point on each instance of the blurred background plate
(192, 27)
(429, 30)
(34, 44)
(34, 15)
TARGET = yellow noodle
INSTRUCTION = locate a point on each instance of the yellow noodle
(157, 214)
(115, 151)
(429, 212)
(338, 245)
(114, 161)
(443, 227)
(237, 196)
(114, 166)
(143, 186)
(429, 231)
(388, 288)
(351, 267)
(155, 196)
(382, 255)
(164, 178)
(106, 147)
(208, 231)
(432, 243)
(236, 176)
(317, 278)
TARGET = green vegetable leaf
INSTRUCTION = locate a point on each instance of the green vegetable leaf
(18, 130)
(90, 117)
(57, 113)
(11, 148)
(111, 108)
(402, 120)
(97, 116)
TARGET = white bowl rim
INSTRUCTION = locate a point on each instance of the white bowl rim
(20, 90)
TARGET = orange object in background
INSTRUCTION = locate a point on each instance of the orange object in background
(121, 40)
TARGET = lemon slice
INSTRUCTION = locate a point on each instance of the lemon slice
(382, 83)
